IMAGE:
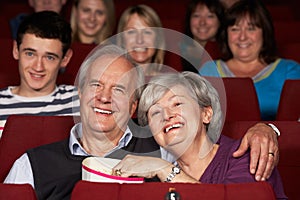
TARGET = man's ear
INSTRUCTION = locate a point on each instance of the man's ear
(79, 93)
(133, 107)
(66, 59)
(207, 114)
(15, 50)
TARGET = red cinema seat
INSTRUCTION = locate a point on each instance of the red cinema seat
(80, 51)
(24, 132)
(287, 31)
(9, 72)
(11, 9)
(282, 12)
(289, 104)
(17, 192)
(290, 50)
(213, 50)
(238, 98)
(289, 162)
(5, 28)
(156, 190)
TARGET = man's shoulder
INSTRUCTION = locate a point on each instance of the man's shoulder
(4, 91)
(65, 92)
(139, 131)
(50, 147)
(66, 88)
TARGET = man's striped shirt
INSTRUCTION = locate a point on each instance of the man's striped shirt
(63, 100)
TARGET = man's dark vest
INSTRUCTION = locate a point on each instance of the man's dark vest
(56, 171)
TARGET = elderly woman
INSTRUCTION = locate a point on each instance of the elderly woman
(183, 112)
(249, 50)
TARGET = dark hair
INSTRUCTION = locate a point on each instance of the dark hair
(46, 24)
(214, 6)
(260, 17)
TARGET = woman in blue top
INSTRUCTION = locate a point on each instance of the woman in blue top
(249, 50)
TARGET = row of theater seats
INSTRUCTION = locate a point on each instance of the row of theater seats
(90, 190)
(15, 142)
(242, 102)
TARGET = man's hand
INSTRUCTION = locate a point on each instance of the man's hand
(264, 153)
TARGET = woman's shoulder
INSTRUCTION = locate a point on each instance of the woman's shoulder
(287, 67)
(210, 68)
(225, 140)
(283, 62)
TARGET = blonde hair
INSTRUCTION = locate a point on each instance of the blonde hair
(107, 28)
(151, 18)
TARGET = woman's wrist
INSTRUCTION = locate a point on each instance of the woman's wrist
(164, 172)
(175, 170)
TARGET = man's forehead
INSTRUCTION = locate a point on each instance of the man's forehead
(114, 68)
(113, 61)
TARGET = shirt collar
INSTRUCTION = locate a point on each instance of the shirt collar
(76, 148)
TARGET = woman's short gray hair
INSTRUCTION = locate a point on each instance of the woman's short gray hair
(200, 89)
(113, 51)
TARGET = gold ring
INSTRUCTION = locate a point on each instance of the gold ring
(118, 172)
(271, 153)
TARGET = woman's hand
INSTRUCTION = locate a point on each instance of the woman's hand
(142, 166)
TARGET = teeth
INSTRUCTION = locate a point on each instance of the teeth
(140, 49)
(243, 45)
(102, 111)
(36, 76)
(173, 126)
(90, 25)
(202, 30)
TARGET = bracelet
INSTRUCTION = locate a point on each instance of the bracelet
(175, 170)
(275, 129)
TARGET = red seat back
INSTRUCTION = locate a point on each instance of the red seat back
(80, 51)
(290, 51)
(9, 72)
(238, 98)
(287, 31)
(289, 104)
(24, 132)
(157, 190)
(17, 192)
(289, 162)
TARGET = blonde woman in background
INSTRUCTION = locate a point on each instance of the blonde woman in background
(141, 35)
(92, 21)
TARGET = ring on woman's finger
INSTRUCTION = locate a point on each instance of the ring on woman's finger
(118, 172)
(271, 153)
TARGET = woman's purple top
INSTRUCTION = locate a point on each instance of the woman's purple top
(224, 168)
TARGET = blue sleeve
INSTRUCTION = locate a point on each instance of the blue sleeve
(209, 69)
(293, 69)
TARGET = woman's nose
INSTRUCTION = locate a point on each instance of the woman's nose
(139, 38)
(168, 114)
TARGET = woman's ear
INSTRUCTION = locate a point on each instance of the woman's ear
(207, 114)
